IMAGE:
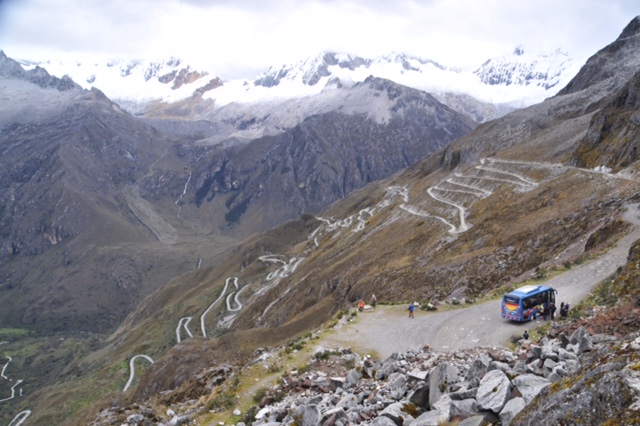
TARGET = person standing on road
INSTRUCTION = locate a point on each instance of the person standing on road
(552, 310)
(373, 300)
(411, 309)
(563, 310)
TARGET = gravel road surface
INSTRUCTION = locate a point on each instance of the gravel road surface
(388, 329)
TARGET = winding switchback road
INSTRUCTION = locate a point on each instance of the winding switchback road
(20, 418)
(388, 329)
(202, 317)
(184, 322)
(4, 368)
(13, 391)
(132, 369)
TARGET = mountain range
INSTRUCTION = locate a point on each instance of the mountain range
(500, 84)
(383, 189)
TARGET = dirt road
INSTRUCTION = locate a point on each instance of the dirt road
(389, 329)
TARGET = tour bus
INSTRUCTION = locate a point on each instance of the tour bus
(525, 303)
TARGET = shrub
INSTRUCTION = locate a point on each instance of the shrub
(274, 366)
(250, 415)
(222, 401)
(260, 393)
(324, 355)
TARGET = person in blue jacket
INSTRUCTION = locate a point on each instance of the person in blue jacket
(411, 309)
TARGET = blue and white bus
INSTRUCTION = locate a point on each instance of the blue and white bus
(526, 303)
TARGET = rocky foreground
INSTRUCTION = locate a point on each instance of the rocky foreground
(564, 379)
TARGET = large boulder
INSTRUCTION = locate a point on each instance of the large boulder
(418, 374)
(420, 397)
(479, 368)
(386, 369)
(530, 385)
(430, 418)
(348, 400)
(383, 421)
(353, 377)
(333, 415)
(396, 413)
(307, 415)
(581, 341)
(493, 391)
(439, 380)
(472, 421)
(463, 407)
(511, 409)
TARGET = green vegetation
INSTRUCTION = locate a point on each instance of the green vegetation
(222, 401)
(259, 394)
(13, 333)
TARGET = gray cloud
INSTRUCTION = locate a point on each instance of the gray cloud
(229, 33)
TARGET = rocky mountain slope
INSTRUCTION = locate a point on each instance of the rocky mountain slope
(69, 224)
(109, 207)
(323, 159)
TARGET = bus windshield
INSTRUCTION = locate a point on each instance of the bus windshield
(511, 299)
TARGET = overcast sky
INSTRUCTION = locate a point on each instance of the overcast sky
(240, 38)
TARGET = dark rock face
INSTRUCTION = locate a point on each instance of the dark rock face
(63, 210)
(612, 139)
(616, 61)
(325, 158)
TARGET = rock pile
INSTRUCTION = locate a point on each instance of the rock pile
(557, 378)
(422, 387)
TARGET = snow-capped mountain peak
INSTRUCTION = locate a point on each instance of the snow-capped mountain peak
(543, 69)
(168, 79)
(518, 79)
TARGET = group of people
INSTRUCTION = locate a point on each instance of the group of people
(551, 311)
(361, 304)
(374, 300)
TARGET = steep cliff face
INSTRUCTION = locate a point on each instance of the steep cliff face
(612, 64)
(611, 143)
